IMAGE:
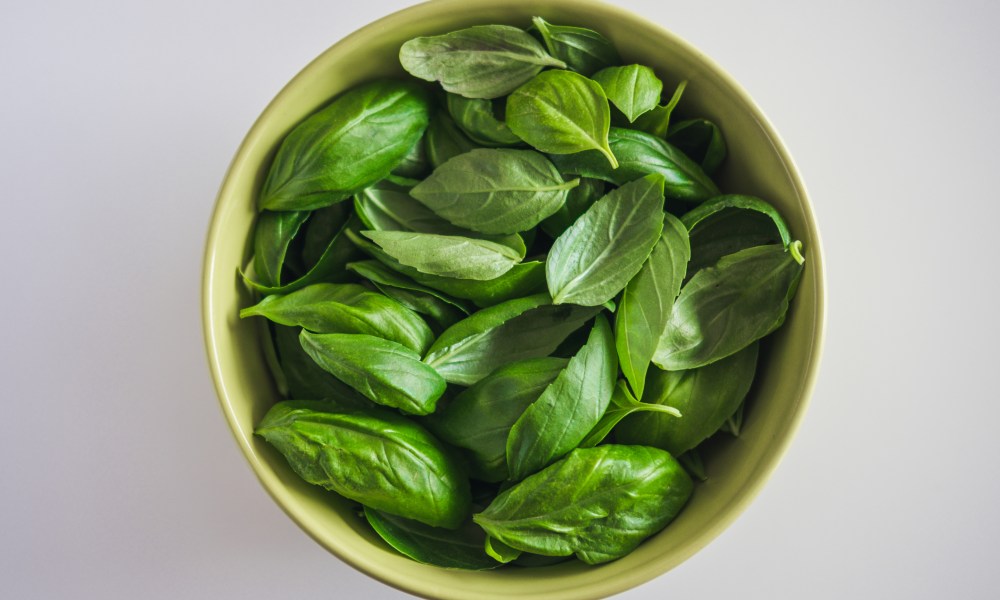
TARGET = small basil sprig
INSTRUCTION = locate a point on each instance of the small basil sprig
(561, 112)
(633, 89)
(583, 50)
(328, 156)
(484, 61)
(371, 456)
(475, 117)
(566, 508)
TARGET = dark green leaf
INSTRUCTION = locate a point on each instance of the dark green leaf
(641, 154)
(484, 61)
(475, 117)
(583, 50)
(656, 122)
(701, 140)
(692, 463)
(561, 112)
(444, 311)
(322, 228)
(306, 380)
(577, 202)
(447, 255)
(460, 548)
(593, 260)
(727, 231)
(372, 456)
(415, 163)
(645, 304)
(384, 372)
(329, 156)
(725, 308)
(634, 89)
(444, 140)
(272, 235)
(706, 396)
(598, 503)
(568, 408)
(495, 190)
(700, 213)
(623, 404)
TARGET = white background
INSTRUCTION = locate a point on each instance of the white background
(119, 478)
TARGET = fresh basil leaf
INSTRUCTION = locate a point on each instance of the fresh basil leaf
(460, 548)
(706, 396)
(640, 154)
(500, 551)
(577, 202)
(272, 235)
(513, 330)
(484, 61)
(727, 231)
(583, 50)
(701, 140)
(634, 89)
(475, 117)
(700, 213)
(623, 404)
(329, 156)
(441, 309)
(306, 380)
(561, 112)
(566, 508)
(568, 408)
(479, 419)
(725, 308)
(415, 163)
(656, 122)
(593, 260)
(380, 459)
(383, 371)
(447, 255)
(444, 140)
(645, 304)
(345, 308)
(495, 191)
(322, 228)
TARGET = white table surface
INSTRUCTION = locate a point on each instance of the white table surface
(118, 476)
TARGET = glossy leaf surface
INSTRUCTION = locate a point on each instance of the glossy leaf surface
(633, 89)
(447, 255)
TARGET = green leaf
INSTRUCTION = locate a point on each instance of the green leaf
(725, 308)
(372, 456)
(345, 308)
(583, 50)
(495, 190)
(707, 396)
(484, 61)
(722, 228)
(447, 255)
(577, 202)
(329, 156)
(321, 229)
(383, 371)
(634, 89)
(460, 548)
(272, 235)
(645, 304)
(444, 140)
(656, 122)
(306, 380)
(479, 419)
(415, 163)
(701, 140)
(561, 112)
(568, 408)
(513, 330)
(500, 551)
(598, 503)
(640, 154)
(476, 118)
(444, 311)
(593, 260)
(623, 404)
(700, 213)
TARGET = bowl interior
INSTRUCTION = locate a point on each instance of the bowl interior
(757, 164)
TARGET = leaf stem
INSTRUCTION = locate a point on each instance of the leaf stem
(796, 249)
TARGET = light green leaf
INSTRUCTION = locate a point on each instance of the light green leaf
(634, 89)
(656, 122)
(447, 255)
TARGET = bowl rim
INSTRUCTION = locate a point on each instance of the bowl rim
(763, 470)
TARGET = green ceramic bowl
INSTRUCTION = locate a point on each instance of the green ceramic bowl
(758, 164)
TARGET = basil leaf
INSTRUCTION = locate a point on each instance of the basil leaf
(567, 508)
(729, 229)
(645, 304)
(696, 215)
(328, 157)
(272, 235)
(623, 404)
(594, 259)
(522, 280)
(568, 408)
(479, 419)
(415, 163)
(641, 154)
(707, 396)
(475, 117)
(561, 112)
(345, 308)
(460, 548)
(372, 456)
(447, 255)
(577, 202)
(701, 140)
(444, 311)
(484, 61)
(500, 551)
(444, 140)
(583, 50)
(656, 122)
(322, 227)
(634, 89)
(513, 330)
(725, 308)
(306, 380)
(495, 190)
(383, 371)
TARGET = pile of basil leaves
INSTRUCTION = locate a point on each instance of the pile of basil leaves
(504, 315)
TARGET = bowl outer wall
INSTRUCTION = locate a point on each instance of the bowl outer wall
(758, 164)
